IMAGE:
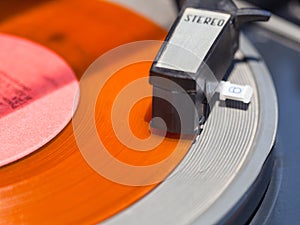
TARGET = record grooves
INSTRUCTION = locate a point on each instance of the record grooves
(55, 185)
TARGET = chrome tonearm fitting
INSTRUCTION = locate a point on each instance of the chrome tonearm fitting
(196, 55)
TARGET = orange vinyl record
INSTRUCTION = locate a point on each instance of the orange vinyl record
(57, 183)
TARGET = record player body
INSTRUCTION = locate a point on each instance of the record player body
(54, 184)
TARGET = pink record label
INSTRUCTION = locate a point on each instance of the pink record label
(37, 97)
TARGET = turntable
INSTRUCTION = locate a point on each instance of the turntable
(76, 106)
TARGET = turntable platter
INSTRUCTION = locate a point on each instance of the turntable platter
(223, 165)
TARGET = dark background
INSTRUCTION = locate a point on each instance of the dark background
(282, 57)
(283, 60)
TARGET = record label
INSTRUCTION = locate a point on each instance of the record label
(37, 93)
